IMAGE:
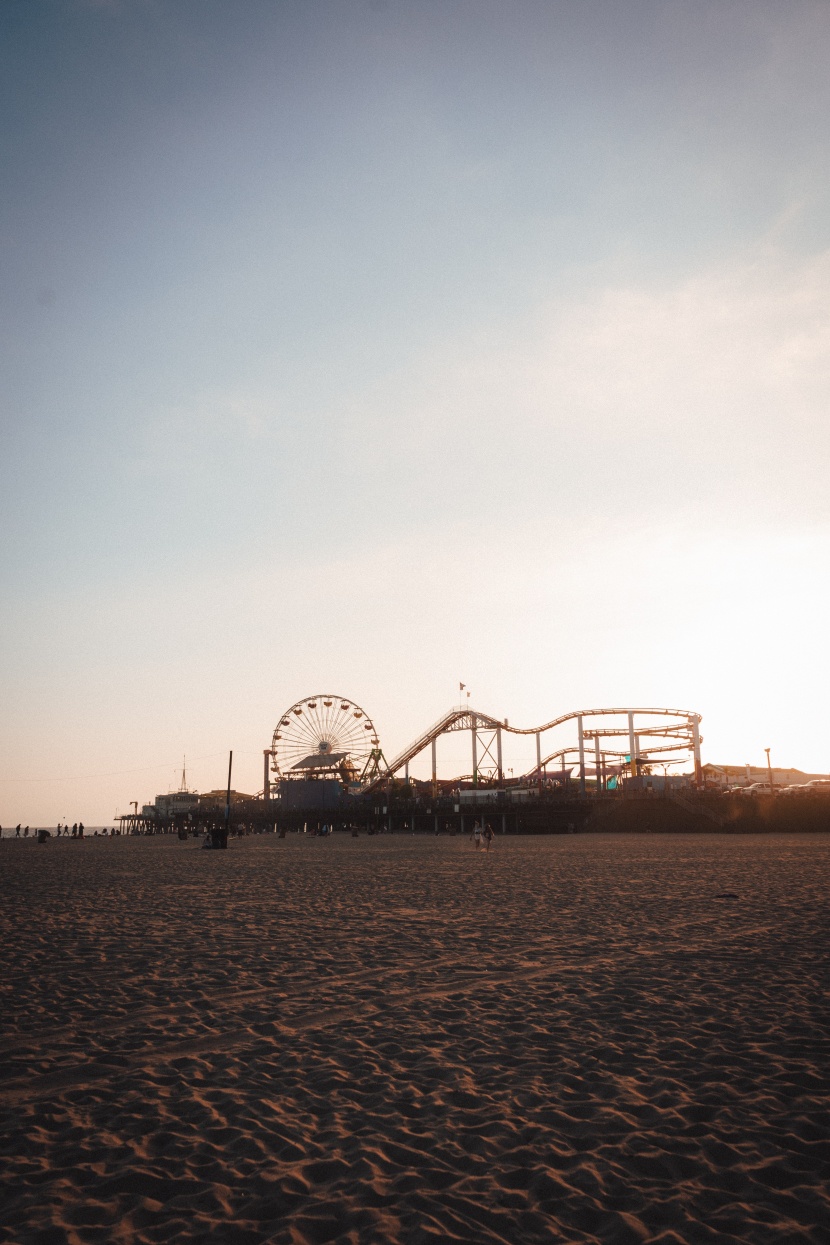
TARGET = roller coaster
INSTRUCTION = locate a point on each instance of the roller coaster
(331, 736)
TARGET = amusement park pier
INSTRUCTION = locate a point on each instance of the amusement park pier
(592, 769)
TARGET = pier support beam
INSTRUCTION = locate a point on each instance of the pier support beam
(581, 735)
(434, 769)
(498, 755)
(632, 745)
(475, 752)
(598, 764)
(539, 758)
(266, 777)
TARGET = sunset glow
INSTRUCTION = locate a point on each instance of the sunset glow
(387, 346)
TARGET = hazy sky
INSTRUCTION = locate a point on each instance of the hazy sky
(374, 346)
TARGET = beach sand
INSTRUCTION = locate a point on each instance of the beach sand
(398, 1039)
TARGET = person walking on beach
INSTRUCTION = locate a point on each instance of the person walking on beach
(17, 831)
(477, 835)
(488, 835)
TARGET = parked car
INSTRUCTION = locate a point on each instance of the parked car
(818, 786)
(756, 788)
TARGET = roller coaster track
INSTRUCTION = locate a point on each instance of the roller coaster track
(562, 753)
(462, 717)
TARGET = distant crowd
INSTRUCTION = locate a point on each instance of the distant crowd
(75, 831)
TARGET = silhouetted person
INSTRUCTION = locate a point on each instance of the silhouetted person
(17, 831)
(80, 829)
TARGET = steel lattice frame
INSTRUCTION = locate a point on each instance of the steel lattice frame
(683, 734)
(323, 726)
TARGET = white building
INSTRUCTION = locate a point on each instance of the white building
(743, 775)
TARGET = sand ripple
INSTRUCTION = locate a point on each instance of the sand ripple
(396, 1039)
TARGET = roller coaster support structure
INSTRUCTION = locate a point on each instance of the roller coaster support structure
(694, 722)
(486, 740)
(486, 737)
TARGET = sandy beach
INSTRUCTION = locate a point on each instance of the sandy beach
(399, 1039)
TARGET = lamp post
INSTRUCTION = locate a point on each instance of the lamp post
(769, 771)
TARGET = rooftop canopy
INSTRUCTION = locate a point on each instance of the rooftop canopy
(321, 760)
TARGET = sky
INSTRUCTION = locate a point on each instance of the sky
(374, 346)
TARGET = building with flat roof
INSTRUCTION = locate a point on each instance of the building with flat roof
(743, 775)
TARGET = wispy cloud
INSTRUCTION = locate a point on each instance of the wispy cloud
(721, 376)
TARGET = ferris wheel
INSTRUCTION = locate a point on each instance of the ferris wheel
(324, 734)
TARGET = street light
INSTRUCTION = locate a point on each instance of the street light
(769, 769)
